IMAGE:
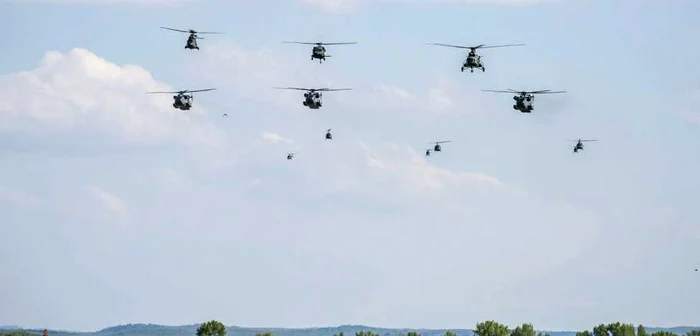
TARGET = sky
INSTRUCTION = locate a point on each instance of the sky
(117, 208)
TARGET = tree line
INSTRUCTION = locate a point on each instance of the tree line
(488, 328)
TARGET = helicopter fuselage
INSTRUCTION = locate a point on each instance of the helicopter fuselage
(192, 42)
(473, 61)
(319, 52)
(578, 147)
(312, 100)
(182, 102)
(524, 103)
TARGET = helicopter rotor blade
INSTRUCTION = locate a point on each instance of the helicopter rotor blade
(308, 43)
(202, 90)
(327, 89)
(498, 46)
(177, 30)
(450, 45)
(588, 140)
(209, 33)
(501, 91)
(544, 92)
(337, 43)
(294, 88)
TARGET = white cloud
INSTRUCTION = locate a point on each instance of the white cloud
(18, 197)
(113, 2)
(79, 92)
(110, 201)
(350, 6)
(274, 138)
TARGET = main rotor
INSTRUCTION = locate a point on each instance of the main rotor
(481, 46)
(182, 92)
(190, 31)
(320, 43)
(524, 93)
(311, 90)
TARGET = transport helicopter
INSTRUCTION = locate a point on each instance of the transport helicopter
(312, 97)
(192, 39)
(319, 51)
(524, 101)
(579, 145)
(329, 136)
(437, 147)
(473, 61)
(290, 156)
(427, 151)
(183, 100)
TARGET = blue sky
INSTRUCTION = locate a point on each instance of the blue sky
(118, 209)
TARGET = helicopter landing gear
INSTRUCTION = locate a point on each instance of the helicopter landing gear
(515, 107)
(483, 69)
(175, 105)
(472, 69)
(462, 69)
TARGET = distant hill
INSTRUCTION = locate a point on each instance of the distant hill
(348, 330)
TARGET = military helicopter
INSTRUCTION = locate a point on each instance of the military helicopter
(427, 151)
(473, 61)
(312, 98)
(329, 136)
(319, 51)
(579, 145)
(290, 156)
(525, 99)
(192, 39)
(183, 101)
(437, 147)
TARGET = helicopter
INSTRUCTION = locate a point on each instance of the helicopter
(329, 136)
(427, 151)
(579, 145)
(473, 61)
(192, 39)
(183, 101)
(290, 156)
(525, 99)
(312, 98)
(319, 51)
(437, 147)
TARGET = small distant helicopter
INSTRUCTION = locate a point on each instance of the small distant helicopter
(192, 39)
(312, 97)
(225, 115)
(473, 61)
(290, 156)
(524, 101)
(183, 101)
(579, 145)
(427, 151)
(437, 147)
(329, 136)
(319, 51)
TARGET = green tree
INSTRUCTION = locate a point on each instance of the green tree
(412, 333)
(211, 328)
(542, 334)
(664, 333)
(267, 333)
(491, 328)
(451, 333)
(621, 329)
(641, 331)
(366, 333)
(584, 333)
(524, 330)
(600, 330)
(340, 334)
(695, 332)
